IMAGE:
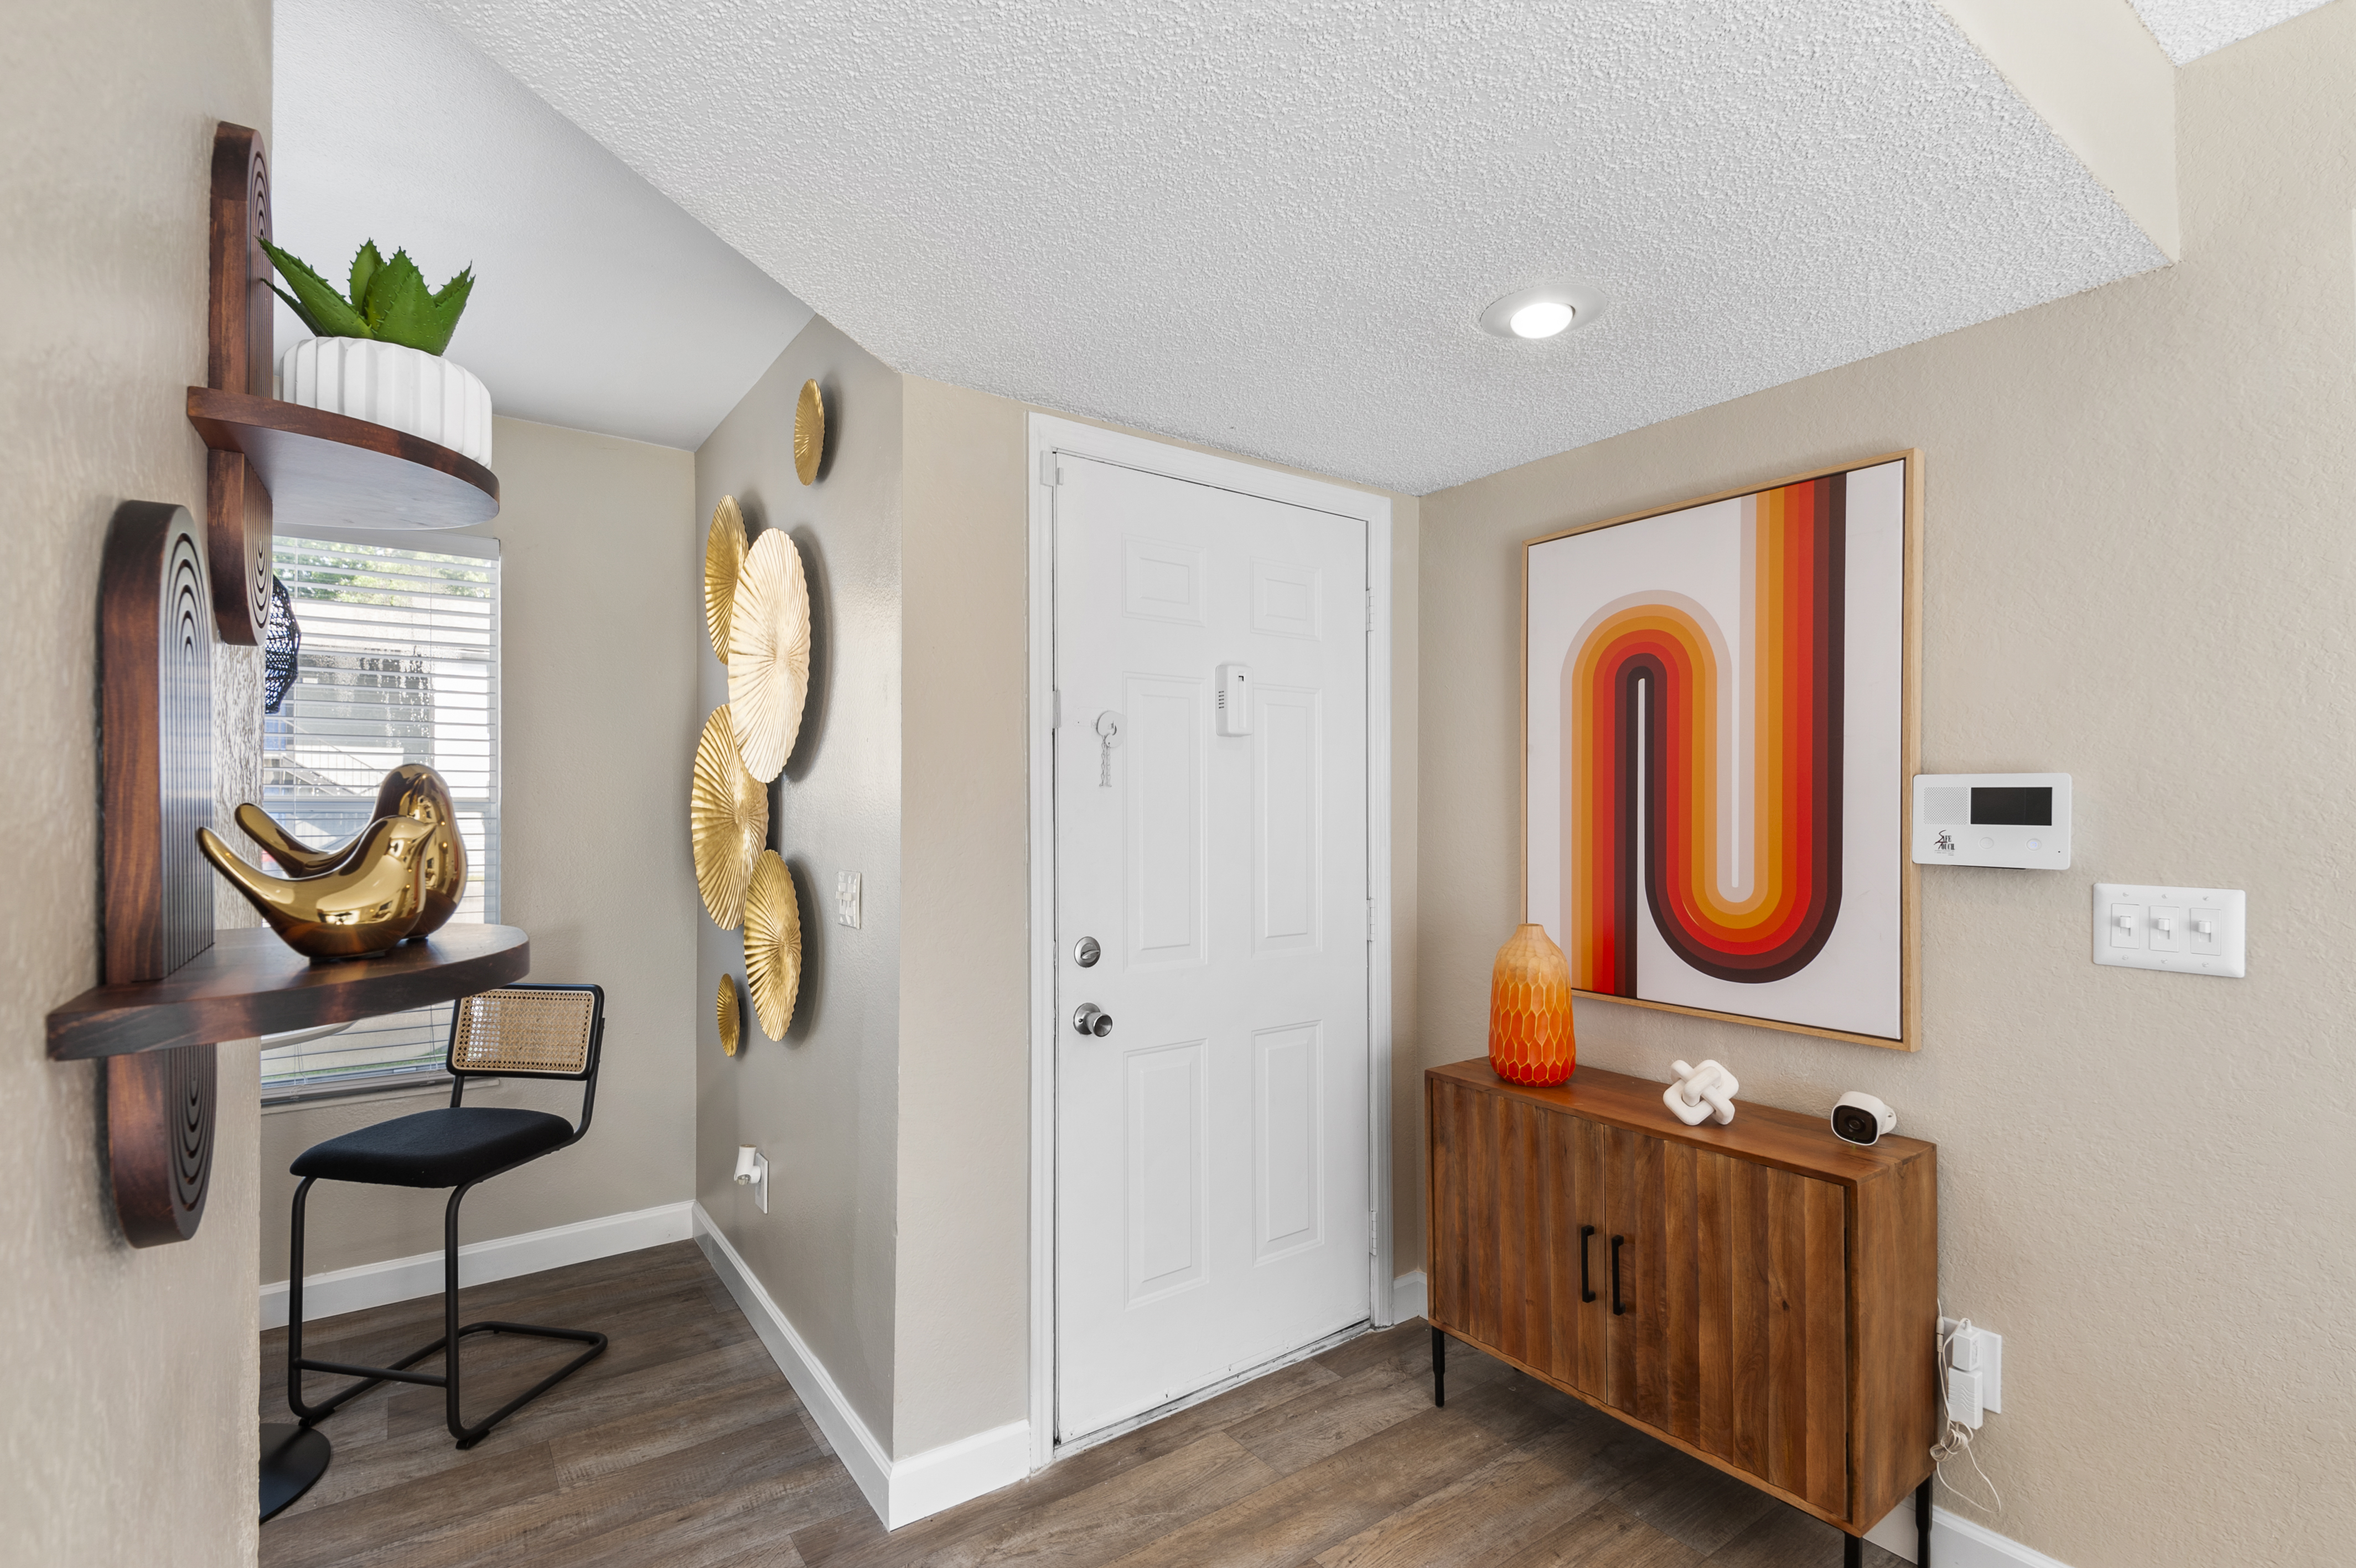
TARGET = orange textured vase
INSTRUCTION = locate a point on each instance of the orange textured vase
(1529, 1011)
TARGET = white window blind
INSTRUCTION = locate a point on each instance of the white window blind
(400, 663)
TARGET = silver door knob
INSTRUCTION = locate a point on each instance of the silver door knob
(1092, 1020)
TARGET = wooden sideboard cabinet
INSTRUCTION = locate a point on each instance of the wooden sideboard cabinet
(1762, 1294)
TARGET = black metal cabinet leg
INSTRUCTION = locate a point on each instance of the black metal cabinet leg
(1922, 1525)
(1852, 1551)
(1439, 1367)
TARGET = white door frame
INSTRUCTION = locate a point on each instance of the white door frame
(1048, 437)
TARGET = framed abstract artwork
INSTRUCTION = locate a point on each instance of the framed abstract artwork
(1721, 717)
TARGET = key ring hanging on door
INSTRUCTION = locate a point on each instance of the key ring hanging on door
(1108, 736)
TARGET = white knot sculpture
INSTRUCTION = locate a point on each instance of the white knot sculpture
(1701, 1093)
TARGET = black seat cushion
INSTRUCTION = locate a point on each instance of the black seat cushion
(435, 1148)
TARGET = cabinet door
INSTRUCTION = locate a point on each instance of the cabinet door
(1755, 1320)
(1632, 1266)
(1511, 1183)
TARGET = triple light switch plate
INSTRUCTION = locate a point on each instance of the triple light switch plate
(2193, 931)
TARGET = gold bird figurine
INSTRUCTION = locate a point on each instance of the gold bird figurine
(365, 906)
(412, 790)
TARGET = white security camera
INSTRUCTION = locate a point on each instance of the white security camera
(1861, 1118)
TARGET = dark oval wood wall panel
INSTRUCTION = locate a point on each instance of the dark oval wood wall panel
(240, 359)
(159, 1141)
(155, 636)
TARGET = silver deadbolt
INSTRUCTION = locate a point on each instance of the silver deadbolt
(1092, 1020)
(1085, 953)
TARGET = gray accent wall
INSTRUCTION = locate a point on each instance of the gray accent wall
(822, 1103)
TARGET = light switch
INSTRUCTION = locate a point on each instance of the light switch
(846, 899)
(2194, 931)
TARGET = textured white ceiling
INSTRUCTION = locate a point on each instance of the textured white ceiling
(597, 302)
(1270, 227)
(2187, 29)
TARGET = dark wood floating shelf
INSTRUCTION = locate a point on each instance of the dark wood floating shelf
(335, 470)
(249, 982)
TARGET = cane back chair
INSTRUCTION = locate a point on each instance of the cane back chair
(527, 1031)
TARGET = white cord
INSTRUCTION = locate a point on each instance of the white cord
(1958, 1439)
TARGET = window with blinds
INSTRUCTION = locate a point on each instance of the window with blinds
(399, 663)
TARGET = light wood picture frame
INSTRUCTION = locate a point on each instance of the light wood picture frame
(1722, 718)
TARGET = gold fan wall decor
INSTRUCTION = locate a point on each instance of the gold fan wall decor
(773, 944)
(727, 821)
(768, 654)
(723, 558)
(809, 432)
(731, 1022)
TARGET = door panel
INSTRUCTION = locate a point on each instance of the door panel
(1168, 1165)
(1211, 1203)
(1168, 846)
(1288, 1143)
(1288, 799)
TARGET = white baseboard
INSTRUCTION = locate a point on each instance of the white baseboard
(1408, 1297)
(1955, 1542)
(479, 1263)
(900, 1491)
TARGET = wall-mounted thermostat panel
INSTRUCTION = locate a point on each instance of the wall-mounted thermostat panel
(2021, 820)
(2193, 931)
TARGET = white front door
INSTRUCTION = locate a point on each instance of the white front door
(1212, 1208)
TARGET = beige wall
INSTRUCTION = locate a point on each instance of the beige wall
(964, 1172)
(965, 980)
(821, 1104)
(2139, 571)
(127, 1432)
(595, 684)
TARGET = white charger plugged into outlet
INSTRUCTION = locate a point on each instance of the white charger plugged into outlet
(752, 1171)
(1974, 1367)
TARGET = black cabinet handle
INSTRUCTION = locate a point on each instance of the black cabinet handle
(1586, 1287)
(1619, 1308)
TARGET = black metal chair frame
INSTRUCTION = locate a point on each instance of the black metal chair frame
(448, 1379)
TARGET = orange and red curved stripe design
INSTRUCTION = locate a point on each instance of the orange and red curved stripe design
(1643, 798)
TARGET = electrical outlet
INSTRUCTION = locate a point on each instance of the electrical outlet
(846, 899)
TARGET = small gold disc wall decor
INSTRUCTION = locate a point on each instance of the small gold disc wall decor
(732, 1023)
(768, 654)
(773, 944)
(727, 821)
(723, 558)
(809, 432)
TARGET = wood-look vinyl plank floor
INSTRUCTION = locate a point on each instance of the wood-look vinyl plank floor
(683, 1446)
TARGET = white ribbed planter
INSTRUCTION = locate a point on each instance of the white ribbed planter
(386, 384)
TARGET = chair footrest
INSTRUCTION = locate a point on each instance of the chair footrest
(467, 1436)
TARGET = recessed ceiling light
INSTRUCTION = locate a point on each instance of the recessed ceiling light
(1543, 310)
(1541, 318)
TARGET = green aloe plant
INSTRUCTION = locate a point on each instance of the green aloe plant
(389, 301)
